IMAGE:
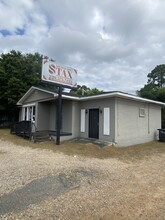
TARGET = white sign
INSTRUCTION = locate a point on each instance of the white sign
(55, 73)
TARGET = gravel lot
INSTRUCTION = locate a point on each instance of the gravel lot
(41, 184)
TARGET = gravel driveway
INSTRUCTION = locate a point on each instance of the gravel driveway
(41, 184)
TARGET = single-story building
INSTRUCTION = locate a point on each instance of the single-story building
(115, 117)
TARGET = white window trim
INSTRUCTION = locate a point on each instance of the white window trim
(27, 113)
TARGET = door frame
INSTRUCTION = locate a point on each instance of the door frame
(89, 123)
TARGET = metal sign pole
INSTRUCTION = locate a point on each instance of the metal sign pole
(61, 76)
(58, 115)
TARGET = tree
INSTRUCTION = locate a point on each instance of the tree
(149, 91)
(155, 87)
(161, 94)
(84, 90)
(157, 76)
(18, 72)
(161, 98)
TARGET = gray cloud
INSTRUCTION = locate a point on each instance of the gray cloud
(113, 44)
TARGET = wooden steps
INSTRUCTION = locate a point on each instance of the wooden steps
(40, 136)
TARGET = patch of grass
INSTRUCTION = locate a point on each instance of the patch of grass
(2, 152)
(132, 153)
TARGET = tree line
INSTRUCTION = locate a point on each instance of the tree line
(18, 72)
(155, 87)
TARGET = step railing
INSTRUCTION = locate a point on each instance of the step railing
(22, 128)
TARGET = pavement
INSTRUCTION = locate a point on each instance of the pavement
(39, 189)
(91, 141)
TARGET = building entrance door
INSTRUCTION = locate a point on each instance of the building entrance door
(94, 123)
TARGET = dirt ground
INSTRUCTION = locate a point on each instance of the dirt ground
(37, 182)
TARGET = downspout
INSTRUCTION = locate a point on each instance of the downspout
(116, 122)
(148, 118)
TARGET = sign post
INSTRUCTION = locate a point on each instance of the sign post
(58, 115)
(60, 76)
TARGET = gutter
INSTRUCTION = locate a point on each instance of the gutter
(116, 94)
(106, 95)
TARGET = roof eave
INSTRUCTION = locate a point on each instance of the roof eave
(137, 98)
(20, 102)
(74, 98)
(24, 96)
(115, 94)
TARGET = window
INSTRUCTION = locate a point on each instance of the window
(29, 113)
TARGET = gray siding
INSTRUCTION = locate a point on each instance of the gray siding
(38, 96)
(100, 104)
(43, 116)
(46, 116)
(52, 117)
(75, 119)
(133, 129)
(72, 118)
(66, 116)
(127, 127)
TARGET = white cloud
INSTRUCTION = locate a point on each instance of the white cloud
(112, 44)
(97, 19)
(14, 13)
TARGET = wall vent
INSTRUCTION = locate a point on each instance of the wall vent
(141, 112)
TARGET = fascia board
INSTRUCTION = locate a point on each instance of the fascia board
(42, 90)
(24, 96)
(136, 98)
(70, 97)
(115, 94)
(107, 95)
(30, 91)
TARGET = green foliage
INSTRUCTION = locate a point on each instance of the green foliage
(155, 87)
(157, 76)
(18, 72)
(161, 97)
(161, 94)
(84, 90)
(149, 91)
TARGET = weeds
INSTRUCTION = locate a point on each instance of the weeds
(90, 150)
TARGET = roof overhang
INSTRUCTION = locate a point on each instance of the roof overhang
(93, 97)
(114, 94)
(31, 90)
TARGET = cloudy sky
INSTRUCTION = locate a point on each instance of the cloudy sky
(113, 44)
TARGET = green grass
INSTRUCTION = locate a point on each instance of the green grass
(90, 150)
